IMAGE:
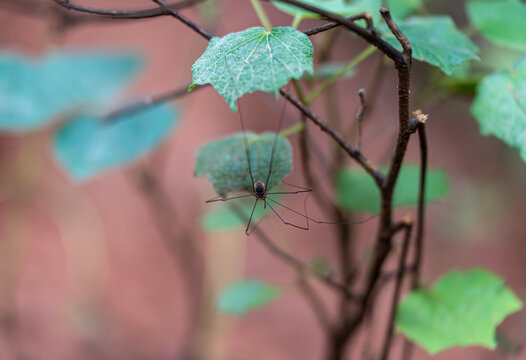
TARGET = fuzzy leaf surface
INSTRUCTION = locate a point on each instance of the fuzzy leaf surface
(87, 146)
(225, 164)
(33, 92)
(436, 41)
(241, 297)
(462, 309)
(501, 21)
(357, 191)
(500, 106)
(253, 59)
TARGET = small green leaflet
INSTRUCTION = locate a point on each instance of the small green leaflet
(222, 217)
(36, 91)
(401, 8)
(500, 106)
(435, 40)
(462, 309)
(87, 146)
(501, 21)
(357, 191)
(253, 59)
(341, 7)
(224, 162)
(241, 297)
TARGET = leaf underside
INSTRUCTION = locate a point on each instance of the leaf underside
(437, 41)
(241, 297)
(36, 91)
(501, 21)
(462, 309)
(225, 164)
(357, 191)
(253, 59)
(87, 146)
(500, 106)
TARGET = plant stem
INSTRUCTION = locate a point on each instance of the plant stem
(296, 21)
(262, 15)
(351, 64)
(293, 129)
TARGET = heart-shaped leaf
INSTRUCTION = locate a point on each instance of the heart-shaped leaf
(34, 92)
(87, 146)
(501, 21)
(462, 309)
(357, 191)
(500, 106)
(225, 164)
(436, 40)
(253, 59)
(241, 297)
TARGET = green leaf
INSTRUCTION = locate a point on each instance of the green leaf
(225, 164)
(87, 145)
(341, 7)
(253, 59)
(357, 191)
(328, 70)
(222, 217)
(462, 309)
(401, 8)
(241, 297)
(501, 21)
(321, 265)
(500, 106)
(435, 40)
(35, 92)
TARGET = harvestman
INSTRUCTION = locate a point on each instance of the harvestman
(260, 187)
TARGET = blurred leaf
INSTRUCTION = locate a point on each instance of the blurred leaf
(341, 7)
(253, 59)
(500, 106)
(35, 92)
(501, 21)
(321, 265)
(328, 70)
(241, 297)
(435, 40)
(224, 162)
(87, 146)
(462, 309)
(222, 217)
(357, 191)
(401, 8)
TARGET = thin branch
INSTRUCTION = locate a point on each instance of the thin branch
(198, 29)
(402, 39)
(317, 305)
(398, 288)
(359, 116)
(149, 101)
(368, 34)
(363, 16)
(126, 14)
(295, 263)
(349, 149)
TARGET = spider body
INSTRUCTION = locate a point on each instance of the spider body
(260, 190)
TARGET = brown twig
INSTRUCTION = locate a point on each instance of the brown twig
(359, 116)
(363, 16)
(368, 34)
(349, 149)
(149, 101)
(398, 288)
(295, 263)
(198, 29)
(125, 14)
